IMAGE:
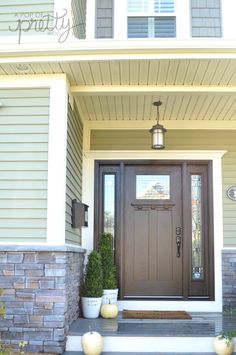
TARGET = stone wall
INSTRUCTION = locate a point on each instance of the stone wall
(229, 278)
(41, 294)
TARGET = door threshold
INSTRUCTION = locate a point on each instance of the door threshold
(171, 305)
(152, 297)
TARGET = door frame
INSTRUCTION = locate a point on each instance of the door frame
(198, 289)
(215, 157)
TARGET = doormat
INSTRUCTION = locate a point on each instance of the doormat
(155, 314)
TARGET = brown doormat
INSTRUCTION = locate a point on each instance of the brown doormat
(155, 314)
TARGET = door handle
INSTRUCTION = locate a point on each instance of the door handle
(178, 240)
(178, 243)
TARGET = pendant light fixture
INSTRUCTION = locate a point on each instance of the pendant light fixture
(158, 131)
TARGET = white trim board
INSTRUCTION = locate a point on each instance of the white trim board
(88, 198)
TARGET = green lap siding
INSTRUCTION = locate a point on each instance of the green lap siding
(29, 14)
(24, 118)
(78, 9)
(184, 140)
(73, 171)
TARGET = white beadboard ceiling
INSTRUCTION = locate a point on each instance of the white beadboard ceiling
(190, 89)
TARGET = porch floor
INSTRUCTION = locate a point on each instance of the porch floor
(202, 325)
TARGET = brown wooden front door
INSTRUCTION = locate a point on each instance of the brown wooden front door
(160, 214)
(152, 245)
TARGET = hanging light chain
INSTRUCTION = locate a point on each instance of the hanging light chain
(157, 104)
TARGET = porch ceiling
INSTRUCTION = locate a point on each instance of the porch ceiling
(124, 90)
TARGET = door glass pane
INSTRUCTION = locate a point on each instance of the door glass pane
(109, 203)
(197, 237)
(153, 187)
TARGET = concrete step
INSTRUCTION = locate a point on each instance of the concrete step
(147, 344)
(143, 336)
(131, 353)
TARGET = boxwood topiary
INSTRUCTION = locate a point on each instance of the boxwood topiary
(105, 248)
(92, 286)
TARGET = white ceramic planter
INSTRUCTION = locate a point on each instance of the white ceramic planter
(110, 296)
(91, 306)
(222, 347)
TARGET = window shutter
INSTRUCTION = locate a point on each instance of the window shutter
(104, 18)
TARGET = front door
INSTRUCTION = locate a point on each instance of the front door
(160, 214)
(152, 245)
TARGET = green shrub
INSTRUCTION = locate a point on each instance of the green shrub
(105, 249)
(3, 349)
(2, 307)
(92, 286)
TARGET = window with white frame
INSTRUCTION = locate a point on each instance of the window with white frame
(151, 19)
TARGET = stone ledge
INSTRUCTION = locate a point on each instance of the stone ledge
(45, 247)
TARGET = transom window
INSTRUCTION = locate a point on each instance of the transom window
(151, 19)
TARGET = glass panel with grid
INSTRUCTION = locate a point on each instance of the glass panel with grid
(197, 236)
(109, 203)
(151, 7)
(152, 187)
(164, 6)
(151, 27)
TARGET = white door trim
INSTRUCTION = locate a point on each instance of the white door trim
(88, 198)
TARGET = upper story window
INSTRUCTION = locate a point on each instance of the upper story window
(151, 19)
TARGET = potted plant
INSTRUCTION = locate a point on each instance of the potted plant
(223, 343)
(92, 287)
(105, 248)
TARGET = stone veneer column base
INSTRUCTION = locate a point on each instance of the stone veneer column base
(229, 278)
(41, 293)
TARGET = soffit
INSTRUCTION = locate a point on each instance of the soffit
(190, 89)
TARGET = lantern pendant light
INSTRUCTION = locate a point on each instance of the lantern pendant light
(158, 131)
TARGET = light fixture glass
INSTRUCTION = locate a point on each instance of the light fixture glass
(158, 131)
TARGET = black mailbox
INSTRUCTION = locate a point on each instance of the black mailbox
(79, 214)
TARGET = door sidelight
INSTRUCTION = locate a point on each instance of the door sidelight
(178, 240)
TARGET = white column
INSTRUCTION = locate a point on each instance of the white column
(218, 228)
(57, 162)
(88, 198)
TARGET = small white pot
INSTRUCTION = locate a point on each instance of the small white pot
(91, 306)
(110, 296)
(222, 346)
